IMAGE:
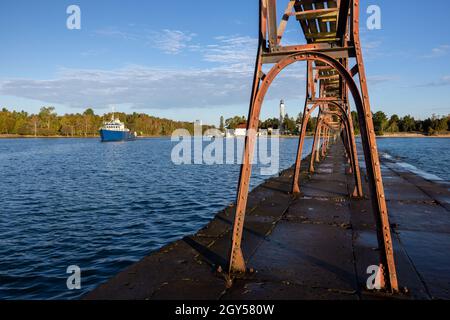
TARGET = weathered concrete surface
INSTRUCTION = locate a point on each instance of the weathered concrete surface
(317, 246)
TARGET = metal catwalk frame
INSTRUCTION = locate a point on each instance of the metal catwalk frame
(331, 30)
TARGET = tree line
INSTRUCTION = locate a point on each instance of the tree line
(48, 123)
(431, 126)
(383, 124)
(87, 124)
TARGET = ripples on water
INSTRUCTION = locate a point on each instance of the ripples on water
(431, 155)
(99, 206)
(104, 206)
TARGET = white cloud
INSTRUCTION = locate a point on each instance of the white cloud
(231, 49)
(378, 79)
(438, 52)
(227, 82)
(115, 33)
(168, 41)
(444, 81)
(146, 88)
(171, 41)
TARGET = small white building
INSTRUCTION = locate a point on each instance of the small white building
(229, 133)
(241, 130)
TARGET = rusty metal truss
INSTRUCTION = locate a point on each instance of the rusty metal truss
(331, 31)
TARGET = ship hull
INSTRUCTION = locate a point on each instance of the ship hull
(114, 136)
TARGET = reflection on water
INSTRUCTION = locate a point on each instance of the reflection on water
(104, 206)
(99, 206)
(431, 155)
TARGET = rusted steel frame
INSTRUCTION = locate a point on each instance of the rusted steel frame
(354, 70)
(284, 21)
(312, 14)
(263, 16)
(324, 143)
(312, 56)
(345, 141)
(322, 147)
(236, 261)
(279, 53)
(342, 135)
(326, 100)
(351, 149)
(312, 27)
(314, 146)
(310, 79)
(358, 192)
(344, 122)
(272, 23)
(344, 7)
(373, 164)
(320, 140)
(348, 154)
(317, 148)
(315, 155)
(317, 47)
(306, 115)
(303, 23)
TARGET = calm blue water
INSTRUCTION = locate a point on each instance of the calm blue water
(104, 206)
(99, 206)
(428, 154)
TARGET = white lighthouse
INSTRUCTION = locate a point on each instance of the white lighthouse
(282, 116)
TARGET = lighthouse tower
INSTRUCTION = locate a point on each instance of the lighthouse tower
(282, 116)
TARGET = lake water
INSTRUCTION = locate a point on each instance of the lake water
(104, 206)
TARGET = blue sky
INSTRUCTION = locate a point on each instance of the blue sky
(163, 58)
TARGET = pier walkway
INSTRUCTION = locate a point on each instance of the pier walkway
(316, 246)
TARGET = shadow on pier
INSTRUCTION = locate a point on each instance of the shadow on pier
(316, 246)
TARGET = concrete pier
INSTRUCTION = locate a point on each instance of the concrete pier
(316, 246)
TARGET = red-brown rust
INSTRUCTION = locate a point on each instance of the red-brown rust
(330, 58)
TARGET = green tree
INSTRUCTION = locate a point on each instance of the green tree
(380, 122)
(47, 116)
(289, 124)
(407, 124)
(232, 123)
(7, 122)
(393, 124)
(89, 121)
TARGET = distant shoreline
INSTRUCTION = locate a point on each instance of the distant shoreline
(18, 136)
(413, 135)
(391, 135)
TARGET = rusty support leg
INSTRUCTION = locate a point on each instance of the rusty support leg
(346, 143)
(298, 162)
(314, 147)
(370, 152)
(373, 166)
(356, 170)
(319, 138)
(306, 114)
(236, 261)
(324, 142)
